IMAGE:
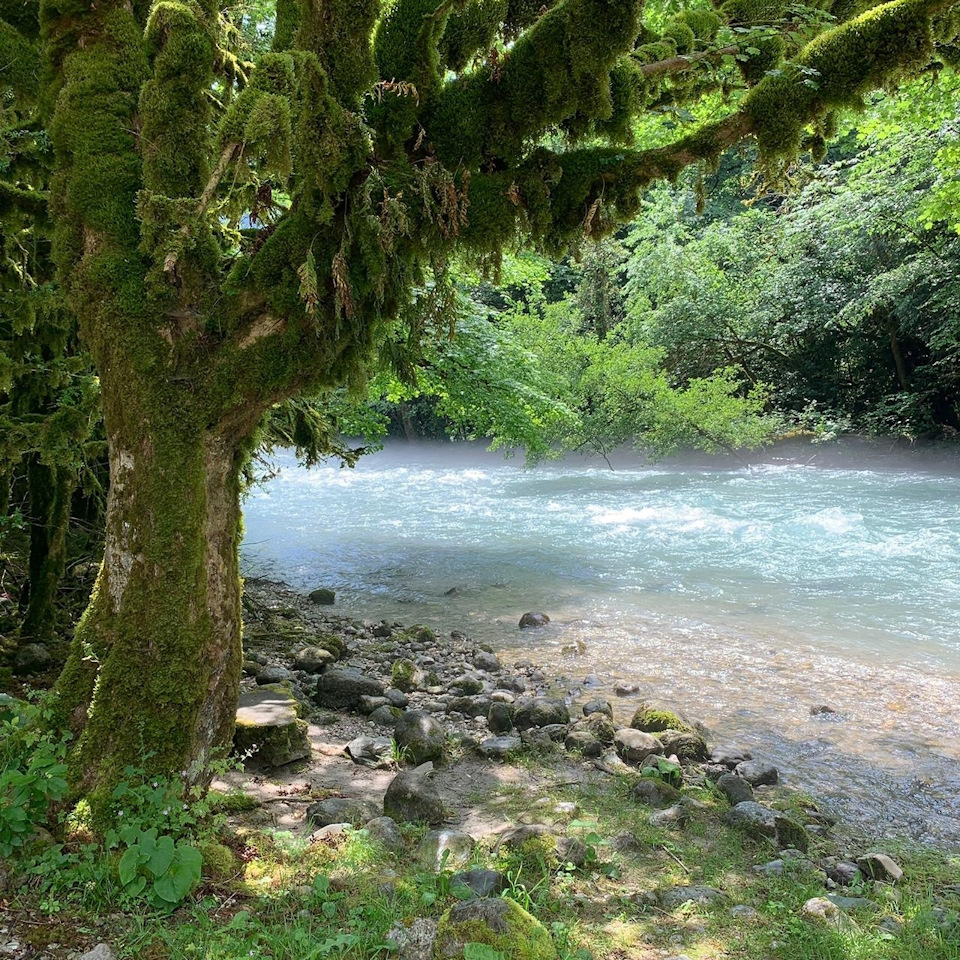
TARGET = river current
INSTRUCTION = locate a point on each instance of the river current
(747, 594)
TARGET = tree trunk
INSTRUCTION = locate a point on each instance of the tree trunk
(51, 492)
(153, 675)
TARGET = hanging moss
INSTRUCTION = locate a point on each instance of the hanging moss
(770, 51)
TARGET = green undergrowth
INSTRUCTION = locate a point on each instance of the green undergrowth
(272, 894)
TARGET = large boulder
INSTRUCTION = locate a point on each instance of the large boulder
(539, 712)
(753, 818)
(353, 810)
(533, 620)
(323, 596)
(32, 658)
(412, 798)
(655, 717)
(757, 773)
(420, 736)
(342, 688)
(446, 849)
(269, 728)
(634, 746)
(503, 925)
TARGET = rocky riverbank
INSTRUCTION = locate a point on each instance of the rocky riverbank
(375, 725)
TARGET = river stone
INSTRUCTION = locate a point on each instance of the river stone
(387, 833)
(269, 729)
(729, 756)
(406, 676)
(487, 662)
(598, 705)
(470, 706)
(735, 789)
(497, 748)
(539, 712)
(397, 698)
(469, 684)
(446, 849)
(757, 773)
(672, 817)
(625, 688)
(584, 743)
(415, 942)
(101, 951)
(673, 897)
(844, 873)
(313, 659)
(385, 716)
(352, 810)
(412, 798)
(274, 674)
(601, 726)
(371, 751)
(655, 717)
(32, 658)
(557, 732)
(654, 793)
(481, 883)
(532, 620)
(323, 596)
(634, 746)
(500, 717)
(494, 922)
(684, 745)
(753, 818)
(853, 904)
(791, 835)
(421, 736)
(822, 912)
(342, 687)
(878, 866)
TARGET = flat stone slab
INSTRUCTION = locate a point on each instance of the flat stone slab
(269, 729)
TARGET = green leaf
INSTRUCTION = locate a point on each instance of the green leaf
(163, 854)
(480, 951)
(129, 865)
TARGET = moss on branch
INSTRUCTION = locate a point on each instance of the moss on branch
(557, 69)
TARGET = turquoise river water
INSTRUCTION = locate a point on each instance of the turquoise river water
(747, 594)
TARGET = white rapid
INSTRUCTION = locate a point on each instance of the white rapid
(748, 594)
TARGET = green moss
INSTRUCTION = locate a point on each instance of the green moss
(837, 70)
(219, 861)
(652, 720)
(471, 32)
(403, 675)
(558, 69)
(514, 933)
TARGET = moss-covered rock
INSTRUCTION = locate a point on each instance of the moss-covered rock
(405, 675)
(655, 718)
(269, 729)
(219, 861)
(502, 925)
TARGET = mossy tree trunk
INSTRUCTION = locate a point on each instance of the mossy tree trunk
(154, 671)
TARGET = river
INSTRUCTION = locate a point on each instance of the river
(745, 593)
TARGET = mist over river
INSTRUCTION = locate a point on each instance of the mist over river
(747, 594)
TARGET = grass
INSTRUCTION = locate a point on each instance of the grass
(289, 899)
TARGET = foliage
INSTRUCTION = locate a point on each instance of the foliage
(158, 868)
(31, 776)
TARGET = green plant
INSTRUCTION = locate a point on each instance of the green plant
(32, 776)
(480, 951)
(666, 770)
(158, 868)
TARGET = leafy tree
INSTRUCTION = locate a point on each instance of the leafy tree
(228, 236)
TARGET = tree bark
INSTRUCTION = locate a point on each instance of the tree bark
(153, 675)
(51, 491)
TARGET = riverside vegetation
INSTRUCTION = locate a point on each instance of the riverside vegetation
(403, 794)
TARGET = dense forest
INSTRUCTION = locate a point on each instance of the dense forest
(568, 226)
